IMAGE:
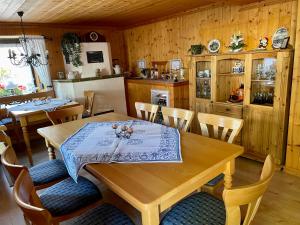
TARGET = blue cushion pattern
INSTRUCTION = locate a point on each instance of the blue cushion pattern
(197, 209)
(6, 121)
(216, 180)
(67, 196)
(105, 214)
(48, 171)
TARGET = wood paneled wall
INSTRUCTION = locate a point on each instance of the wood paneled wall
(171, 38)
(113, 35)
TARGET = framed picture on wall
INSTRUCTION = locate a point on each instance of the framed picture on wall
(94, 56)
(141, 64)
(175, 64)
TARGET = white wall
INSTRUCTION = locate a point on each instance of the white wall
(89, 69)
(110, 93)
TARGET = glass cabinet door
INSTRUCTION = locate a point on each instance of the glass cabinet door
(230, 80)
(263, 81)
(203, 79)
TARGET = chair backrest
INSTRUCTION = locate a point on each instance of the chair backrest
(250, 195)
(66, 114)
(223, 127)
(178, 118)
(8, 156)
(146, 111)
(89, 101)
(29, 202)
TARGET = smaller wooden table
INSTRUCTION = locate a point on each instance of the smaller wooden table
(154, 187)
(33, 117)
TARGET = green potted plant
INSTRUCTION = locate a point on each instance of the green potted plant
(71, 49)
(196, 49)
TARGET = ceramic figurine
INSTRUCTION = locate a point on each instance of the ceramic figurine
(263, 43)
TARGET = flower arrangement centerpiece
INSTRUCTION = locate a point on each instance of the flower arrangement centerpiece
(237, 42)
(123, 132)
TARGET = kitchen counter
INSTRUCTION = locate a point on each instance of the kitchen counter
(159, 82)
(139, 90)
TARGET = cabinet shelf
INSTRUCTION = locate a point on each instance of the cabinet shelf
(203, 78)
(270, 81)
(231, 74)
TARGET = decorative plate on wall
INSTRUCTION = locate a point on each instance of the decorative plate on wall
(214, 46)
(279, 37)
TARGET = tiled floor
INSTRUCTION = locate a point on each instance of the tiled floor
(280, 205)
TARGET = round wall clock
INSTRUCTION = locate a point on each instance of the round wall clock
(93, 36)
(279, 36)
(214, 46)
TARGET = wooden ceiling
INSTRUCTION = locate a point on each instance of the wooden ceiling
(101, 12)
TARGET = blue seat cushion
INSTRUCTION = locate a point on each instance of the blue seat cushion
(48, 171)
(6, 121)
(216, 180)
(198, 209)
(67, 196)
(105, 214)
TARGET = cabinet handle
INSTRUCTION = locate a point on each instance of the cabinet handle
(227, 109)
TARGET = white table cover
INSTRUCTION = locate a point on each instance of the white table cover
(96, 142)
(44, 105)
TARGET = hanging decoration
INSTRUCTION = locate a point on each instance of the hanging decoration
(71, 49)
(28, 56)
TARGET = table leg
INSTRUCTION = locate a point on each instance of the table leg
(51, 151)
(229, 171)
(150, 216)
(27, 143)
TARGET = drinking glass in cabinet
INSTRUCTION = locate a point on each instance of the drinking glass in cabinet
(263, 81)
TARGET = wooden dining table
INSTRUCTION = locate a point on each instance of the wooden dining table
(29, 118)
(154, 187)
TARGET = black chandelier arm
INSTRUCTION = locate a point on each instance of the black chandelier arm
(26, 58)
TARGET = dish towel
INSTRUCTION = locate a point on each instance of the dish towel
(96, 142)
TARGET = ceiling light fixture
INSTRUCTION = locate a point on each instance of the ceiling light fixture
(29, 56)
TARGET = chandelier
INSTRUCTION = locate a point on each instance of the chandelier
(28, 57)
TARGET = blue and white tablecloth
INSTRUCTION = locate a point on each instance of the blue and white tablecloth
(96, 142)
(44, 105)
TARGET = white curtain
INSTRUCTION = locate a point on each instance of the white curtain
(36, 44)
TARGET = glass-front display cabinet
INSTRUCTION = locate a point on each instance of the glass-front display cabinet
(203, 79)
(263, 79)
(230, 79)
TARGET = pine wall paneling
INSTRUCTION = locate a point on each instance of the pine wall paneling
(172, 37)
(293, 145)
(55, 31)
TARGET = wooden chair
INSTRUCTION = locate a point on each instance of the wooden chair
(88, 104)
(35, 211)
(223, 128)
(65, 115)
(203, 208)
(43, 175)
(228, 126)
(178, 118)
(146, 111)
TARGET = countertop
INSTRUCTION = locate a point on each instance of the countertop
(89, 78)
(157, 82)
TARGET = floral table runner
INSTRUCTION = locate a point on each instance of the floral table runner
(97, 142)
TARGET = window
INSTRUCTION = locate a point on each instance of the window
(14, 80)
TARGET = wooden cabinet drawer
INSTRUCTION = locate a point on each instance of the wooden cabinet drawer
(227, 109)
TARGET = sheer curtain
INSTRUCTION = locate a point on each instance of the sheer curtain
(36, 44)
